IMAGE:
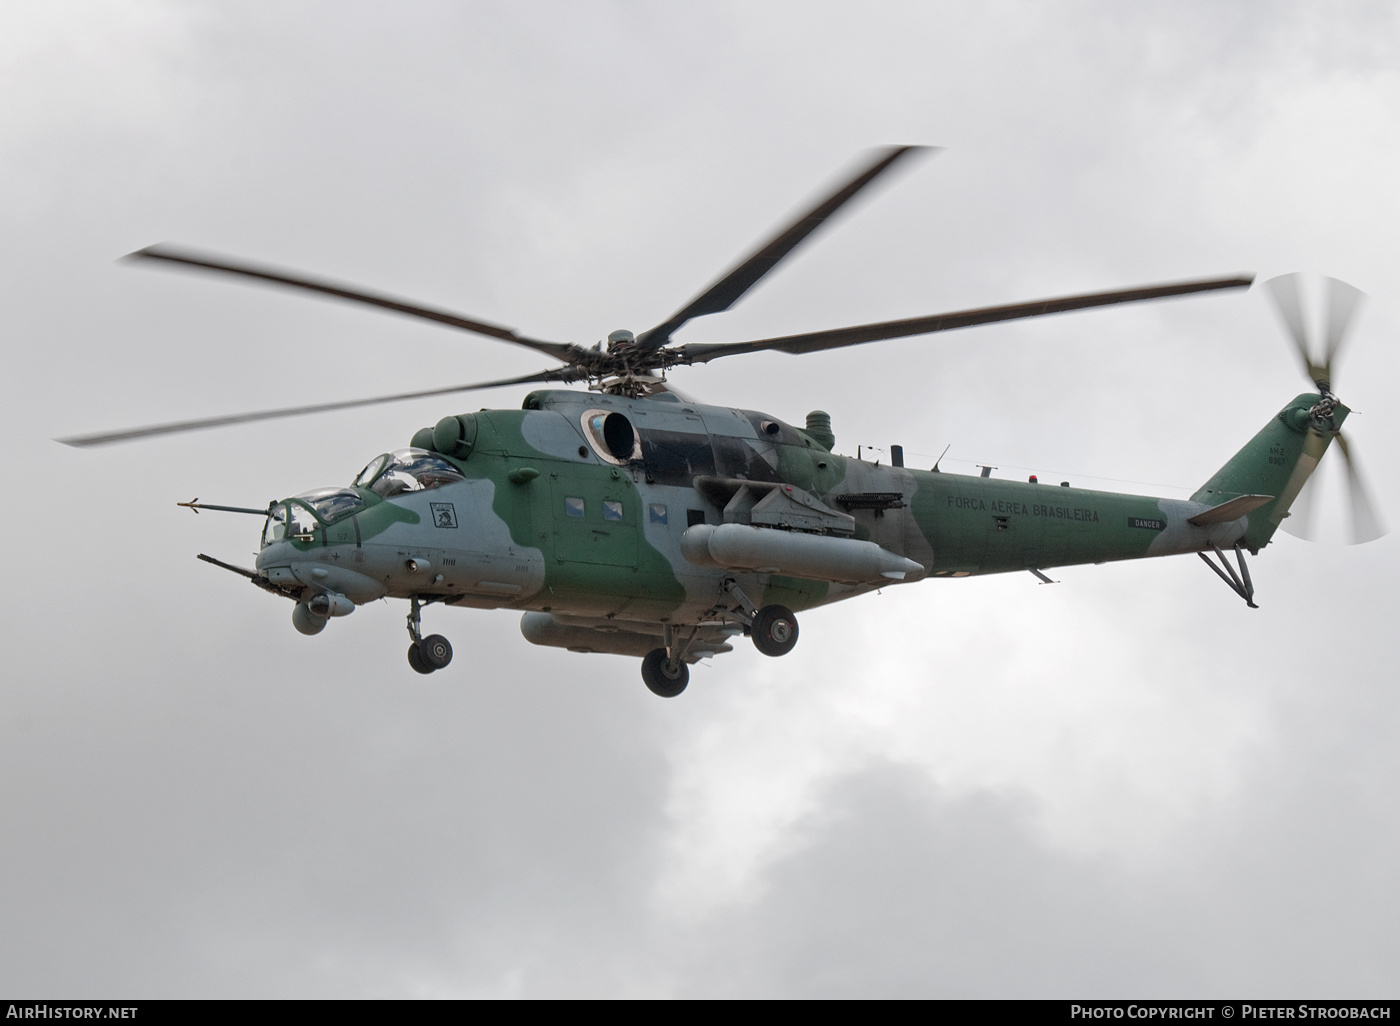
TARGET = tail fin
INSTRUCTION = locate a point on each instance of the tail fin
(1277, 461)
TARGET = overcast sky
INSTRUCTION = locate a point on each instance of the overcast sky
(1125, 784)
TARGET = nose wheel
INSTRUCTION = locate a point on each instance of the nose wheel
(425, 654)
(415, 660)
(432, 653)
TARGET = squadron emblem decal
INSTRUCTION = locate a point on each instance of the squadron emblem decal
(444, 515)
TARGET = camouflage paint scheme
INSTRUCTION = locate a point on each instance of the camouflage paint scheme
(613, 576)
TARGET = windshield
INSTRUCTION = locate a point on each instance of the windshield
(408, 470)
(371, 470)
(276, 527)
(303, 523)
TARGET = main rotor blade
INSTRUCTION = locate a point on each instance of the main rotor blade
(726, 292)
(838, 337)
(1342, 303)
(1365, 524)
(1287, 293)
(209, 262)
(131, 434)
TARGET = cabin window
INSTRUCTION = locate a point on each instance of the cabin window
(612, 510)
(573, 506)
(658, 513)
(694, 516)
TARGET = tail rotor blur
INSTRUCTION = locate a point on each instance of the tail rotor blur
(1342, 303)
(1366, 524)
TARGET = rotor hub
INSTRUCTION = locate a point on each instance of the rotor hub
(1323, 414)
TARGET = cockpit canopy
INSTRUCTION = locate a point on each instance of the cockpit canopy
(332, 503)
(394, 473)
(302, 522)
(407, 470)
(308, 511)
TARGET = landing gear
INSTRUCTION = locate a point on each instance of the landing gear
(432, 653)
(435, 651)
(425, 654)
(774, 630)
(1239, 583)
(666, 677)
(415, 660)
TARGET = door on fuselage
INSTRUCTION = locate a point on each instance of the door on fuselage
(596, 517)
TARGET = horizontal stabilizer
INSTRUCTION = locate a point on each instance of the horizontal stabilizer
(1227, 511)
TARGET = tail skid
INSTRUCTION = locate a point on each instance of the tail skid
(1240, 583)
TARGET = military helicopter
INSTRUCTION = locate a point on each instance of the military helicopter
(631, 519)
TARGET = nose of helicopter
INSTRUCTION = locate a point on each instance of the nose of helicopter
(297, 551)
(273, 554)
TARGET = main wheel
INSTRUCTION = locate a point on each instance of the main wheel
(435, 651)
(665, 677)
(415, 659)
(774, 630)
